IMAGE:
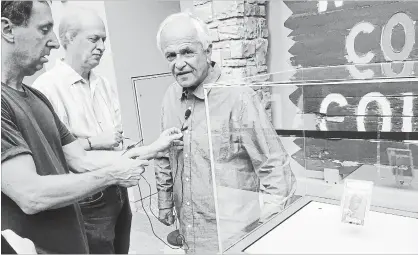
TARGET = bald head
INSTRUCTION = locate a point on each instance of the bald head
(77, 19)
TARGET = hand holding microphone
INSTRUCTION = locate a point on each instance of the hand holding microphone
(169, 137)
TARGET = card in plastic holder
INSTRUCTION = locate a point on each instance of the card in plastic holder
(355, 203)
(401, 162)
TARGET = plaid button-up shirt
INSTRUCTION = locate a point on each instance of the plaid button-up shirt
(249, 160)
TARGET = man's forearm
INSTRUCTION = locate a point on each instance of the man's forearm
(86, 161)
(165, 199)
(92, 160)
(143, 152)
(34, 193)
(56, 191)
(164, 181)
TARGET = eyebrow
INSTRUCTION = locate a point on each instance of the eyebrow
(47, 24)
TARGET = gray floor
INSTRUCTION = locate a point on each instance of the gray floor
(143, 240)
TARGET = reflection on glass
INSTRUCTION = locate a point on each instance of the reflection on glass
(325, 126)
(253, 178)
(402, 167)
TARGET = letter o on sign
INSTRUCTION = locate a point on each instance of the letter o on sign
(386, 40)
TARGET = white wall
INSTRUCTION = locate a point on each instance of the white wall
(133, 26)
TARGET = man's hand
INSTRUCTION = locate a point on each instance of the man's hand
(166, 216)
(170, 137)
(127, 172)
(106, 140)
(159, 148)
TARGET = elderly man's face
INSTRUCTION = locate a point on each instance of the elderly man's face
(89, 43)
(187, 59)
(35, 41)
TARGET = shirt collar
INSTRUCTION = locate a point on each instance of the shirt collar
(213, 76)
(70, 76)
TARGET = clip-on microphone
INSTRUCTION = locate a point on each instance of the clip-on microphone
(186, 116)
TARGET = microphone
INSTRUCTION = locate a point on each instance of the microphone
(187, 114)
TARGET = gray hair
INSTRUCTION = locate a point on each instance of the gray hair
(70, 23)
(202, 30)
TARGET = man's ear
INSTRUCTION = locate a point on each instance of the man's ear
(69, 38)
(7, 30)
(209, 53)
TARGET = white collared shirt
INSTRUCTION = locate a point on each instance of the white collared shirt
(86, 110)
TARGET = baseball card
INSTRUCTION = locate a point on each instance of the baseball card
(356, 200)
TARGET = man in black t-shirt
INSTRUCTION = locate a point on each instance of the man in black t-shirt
(38, 152)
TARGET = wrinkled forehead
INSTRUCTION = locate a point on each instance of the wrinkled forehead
(91, 24)
(178, 32)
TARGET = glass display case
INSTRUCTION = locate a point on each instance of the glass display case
(283, 144)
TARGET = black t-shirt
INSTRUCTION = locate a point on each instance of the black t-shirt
(29, 125)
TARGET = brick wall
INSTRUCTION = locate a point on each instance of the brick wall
(240, 38)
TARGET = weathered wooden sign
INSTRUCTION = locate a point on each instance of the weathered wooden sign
(371, 41)
(387, 106)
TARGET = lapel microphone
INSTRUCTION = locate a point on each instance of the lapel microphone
(187, 114)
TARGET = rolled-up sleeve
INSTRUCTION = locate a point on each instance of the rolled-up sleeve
(268, 156)
(163, 175)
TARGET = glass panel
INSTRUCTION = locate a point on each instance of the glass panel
(252, 176)
(333, 125)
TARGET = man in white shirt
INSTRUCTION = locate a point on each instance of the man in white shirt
(88, 105)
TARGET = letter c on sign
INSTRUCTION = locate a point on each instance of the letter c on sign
(352, 56)
(334, 97)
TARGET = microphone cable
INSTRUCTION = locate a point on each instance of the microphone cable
(180, 237)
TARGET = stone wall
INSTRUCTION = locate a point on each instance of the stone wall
(240, 38)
